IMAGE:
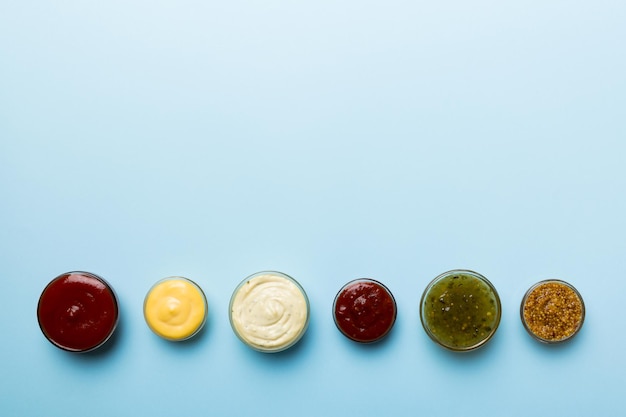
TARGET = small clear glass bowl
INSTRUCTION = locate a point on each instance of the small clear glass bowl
(543, 321)
(370, 319)
(469, 324)
(170, 332)
(269, 311)
(78, 311)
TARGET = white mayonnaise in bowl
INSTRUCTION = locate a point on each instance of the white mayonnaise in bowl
(269, 311)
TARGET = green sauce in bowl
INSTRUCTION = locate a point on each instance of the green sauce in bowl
(460, 310)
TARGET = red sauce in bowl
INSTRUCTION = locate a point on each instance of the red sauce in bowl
(77, 311)
(364, 310)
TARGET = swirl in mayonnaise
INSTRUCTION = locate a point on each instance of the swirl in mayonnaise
(269, 311)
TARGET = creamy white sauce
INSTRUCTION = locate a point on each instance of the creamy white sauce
(269, 312)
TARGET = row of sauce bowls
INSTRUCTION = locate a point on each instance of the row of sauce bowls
(269, 311)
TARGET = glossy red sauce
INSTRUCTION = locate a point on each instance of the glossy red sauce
(365, 310)
(77, 311)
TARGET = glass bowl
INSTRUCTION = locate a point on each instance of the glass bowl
(460, 310)
(552, 311)
(175, 308)
(364, 310)
(269, 311)
(78, 311)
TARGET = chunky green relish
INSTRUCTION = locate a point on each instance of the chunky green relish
(460, 310)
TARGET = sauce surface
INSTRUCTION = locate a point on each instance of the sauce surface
(77, 311)
(460, 310)
(364, 310)
(175, 308)
(269, 311)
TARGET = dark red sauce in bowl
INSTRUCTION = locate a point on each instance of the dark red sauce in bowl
(77, 311)
(364, 310)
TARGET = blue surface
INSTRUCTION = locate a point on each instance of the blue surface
(328, 140)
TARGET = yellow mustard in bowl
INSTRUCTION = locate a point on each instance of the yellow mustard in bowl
(175, 308)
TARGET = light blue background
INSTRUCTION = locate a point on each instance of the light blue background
(329, 140)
